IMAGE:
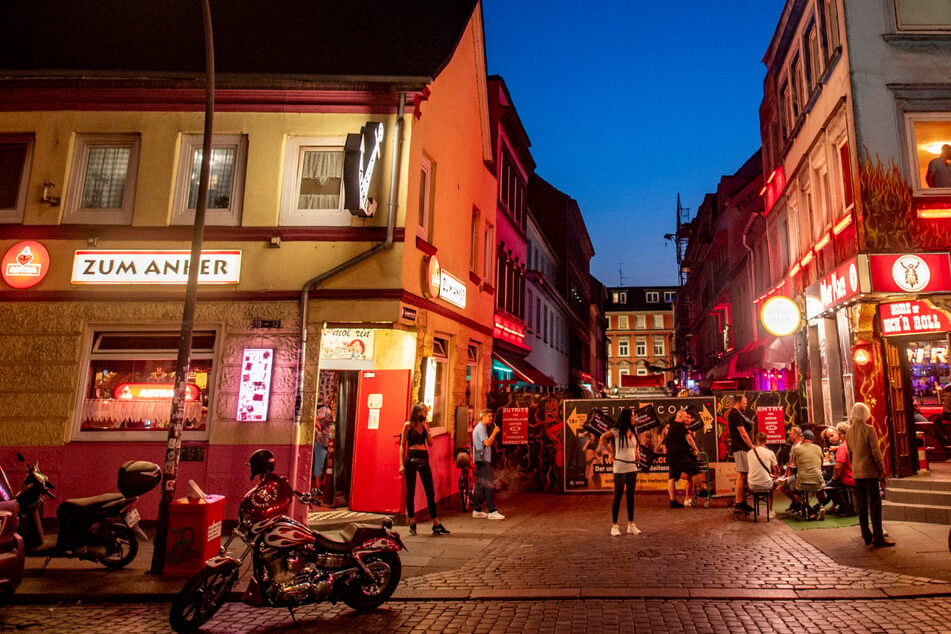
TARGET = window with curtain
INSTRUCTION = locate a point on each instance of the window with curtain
(101, 187)
(313, 183)
(225, 180)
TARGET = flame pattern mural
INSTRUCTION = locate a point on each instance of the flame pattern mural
(869, 382)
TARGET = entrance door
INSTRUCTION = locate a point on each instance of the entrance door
(899, 404)
(343, 438)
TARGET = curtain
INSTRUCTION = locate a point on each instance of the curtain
(320, 170)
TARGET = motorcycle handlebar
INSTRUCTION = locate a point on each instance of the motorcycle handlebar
(306, 498)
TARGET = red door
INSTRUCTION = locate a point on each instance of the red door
(382, 408)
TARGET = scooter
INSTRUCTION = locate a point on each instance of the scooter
(291, 565)
(103, 528)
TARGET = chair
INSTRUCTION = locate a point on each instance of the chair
(759, 497)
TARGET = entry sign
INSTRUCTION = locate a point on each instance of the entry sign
(515, 425)
(770, 421)
(914, 316)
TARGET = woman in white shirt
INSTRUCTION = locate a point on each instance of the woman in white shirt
(624, 453)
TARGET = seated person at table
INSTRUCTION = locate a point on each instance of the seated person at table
(942, 422)
(786, 483)
(836, 487)
(828, 437)
(763, 469)
(807, 458)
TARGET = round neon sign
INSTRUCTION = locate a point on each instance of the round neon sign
(862, 356)
(25, 264)
(780, 316)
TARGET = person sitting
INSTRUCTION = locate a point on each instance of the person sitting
(807, 458)
(786, 483)
(828, 438)
(764, 468)
(837, 487)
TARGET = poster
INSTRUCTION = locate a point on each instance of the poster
(588, 466)
(515, 425)
(770, 421)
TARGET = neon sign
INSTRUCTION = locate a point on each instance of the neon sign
(154, 267)
(153, 392)
(25, 264)
(361, 153)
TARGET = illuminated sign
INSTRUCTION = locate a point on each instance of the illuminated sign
(770, 421)
(842, 284)
(509, 330)
(515, 425)
(154, 267)
(347, 343)
(901, 318)
(774, 186)
(153, 391)
(862, 356)
(452, 289)
(910, 272)
(25, 264)
(361, 153)
(780, 316)
(432, 275)
(255, 384)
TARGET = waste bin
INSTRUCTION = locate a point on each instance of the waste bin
(194, 534)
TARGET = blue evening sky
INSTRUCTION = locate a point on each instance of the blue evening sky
(628, 104)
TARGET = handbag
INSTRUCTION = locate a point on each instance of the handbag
(478, 455)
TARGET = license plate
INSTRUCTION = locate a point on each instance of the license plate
(132, 518)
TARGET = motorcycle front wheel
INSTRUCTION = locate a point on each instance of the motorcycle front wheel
(121, 546)
(201, 597)
(369, 593)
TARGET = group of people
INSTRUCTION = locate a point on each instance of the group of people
(858, 464)
(415, 440)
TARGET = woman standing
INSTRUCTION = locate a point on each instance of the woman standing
(414, 455)
(624, 453)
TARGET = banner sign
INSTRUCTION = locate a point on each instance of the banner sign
(588, 467)
(154, 267)
(515, 425)
(347, 343)
(770, 421)
(834, 288)
(904, 318)
(910, 272)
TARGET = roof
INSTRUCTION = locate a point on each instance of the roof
(636, 298)
(311, 38)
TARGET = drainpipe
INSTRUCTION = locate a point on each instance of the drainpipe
(320, 279)
(751, 268)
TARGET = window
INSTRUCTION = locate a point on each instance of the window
(923, 15)
(102, 179)
(640, 347)
(830, 27)
(16, 157)
(930, 133)
(619, 297)
(313, 183)
(641, 371)
(538, 317)
(622, 322)
(545, 322)
(640, 322)
(435, 382)
(488, 245)
(622, 372)
(669, 296)
(624, 347)
(528, 309)
(225, 180)
(474, 229)
(130, 377)
(659, 321)
(659, 347)
(652, 297)
(813, 66)
(798, 93)
(427, 179)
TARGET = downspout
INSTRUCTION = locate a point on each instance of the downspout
(751, 268)
(320, 279)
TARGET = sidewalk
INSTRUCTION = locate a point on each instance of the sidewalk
(558, 546)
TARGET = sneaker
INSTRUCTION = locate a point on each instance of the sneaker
(479, 515)
(689, 502)
(821, 514)
(495, 515)
(674, 504)
(633, 530)
(772, 515)
(615, 531)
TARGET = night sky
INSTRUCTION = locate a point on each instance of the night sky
(628, 104)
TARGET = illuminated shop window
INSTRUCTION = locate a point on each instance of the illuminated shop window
(929, 133)
(130, 379)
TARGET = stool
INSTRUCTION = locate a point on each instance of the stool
(807, 501)
(758, 497)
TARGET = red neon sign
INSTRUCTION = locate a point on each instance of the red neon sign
(910, 272)
(25, 264)
(914, 316)
(153, 391)
(774, 186)
(509, 330)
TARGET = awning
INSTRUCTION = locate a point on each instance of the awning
(769, 353)
(524, 370)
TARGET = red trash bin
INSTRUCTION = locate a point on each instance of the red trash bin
(194, 534)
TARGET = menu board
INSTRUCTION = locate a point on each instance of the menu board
(255, 384)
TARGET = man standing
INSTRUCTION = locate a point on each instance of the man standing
(868, 469)
(939, 172)
(741, 428)
(484, 436)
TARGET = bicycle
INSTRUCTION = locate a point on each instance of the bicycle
(466, 479)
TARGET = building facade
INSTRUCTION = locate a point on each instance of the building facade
(640, 335)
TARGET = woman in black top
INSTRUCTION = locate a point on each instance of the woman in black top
(682, 460)
(414, 455)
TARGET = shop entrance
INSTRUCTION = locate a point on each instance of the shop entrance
(917, 374)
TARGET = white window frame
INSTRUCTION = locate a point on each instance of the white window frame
(73, 213)
(295, 146)
(641, 370)
(15, 213)
(92, 330)
(669, 296)
(658, 321)
(622, 322)
(488, 253)
(659, 347)
(652, 297)
(623, 347)
(640, 347)
(919, 186)
(640, 322)
(424, 225)
(229, 216)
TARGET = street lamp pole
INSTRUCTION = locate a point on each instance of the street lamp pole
(177, 420)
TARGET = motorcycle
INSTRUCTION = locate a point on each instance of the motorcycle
(291, 565)
(102, 528)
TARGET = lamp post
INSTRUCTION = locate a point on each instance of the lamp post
(177, 420)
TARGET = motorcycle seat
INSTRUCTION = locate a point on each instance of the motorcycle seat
(96, 501)
(344, 540)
